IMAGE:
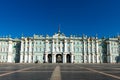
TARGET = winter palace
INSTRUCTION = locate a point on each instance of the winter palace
(60, 49)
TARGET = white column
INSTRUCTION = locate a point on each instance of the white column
(61, 45)
(30, 46)
(53, 47)
(33, 52)
(93, 52)
(65, 42)
(98, 61)
(26, 58)
(53, 54)
(46, 58)
(22, 46)
(53, 58)
(109, 55)
(25, 45)
(21, 58)
(47, 46)
(46, 51)
(21, 52)
(26, 52)
(34, 47)
(97, 47)
(9, 51)
(72, 58)
(64, 58)
(29, 58)
(34, 59)
(111, 58)
(89, 58)
(57, 49)
(93, 59)
(84, 52)
(71, 47)
(30, 51)
(84, 58)
(88, 52)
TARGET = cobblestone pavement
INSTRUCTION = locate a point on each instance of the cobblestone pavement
(59, 71)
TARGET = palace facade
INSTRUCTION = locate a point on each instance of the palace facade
(60, 49)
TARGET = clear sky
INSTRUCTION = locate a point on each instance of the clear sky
(77, 17)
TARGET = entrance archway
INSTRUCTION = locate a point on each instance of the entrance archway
(59, 58)
(68, 57)
(49, 58)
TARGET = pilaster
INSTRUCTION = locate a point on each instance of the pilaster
(46, 58)
(10, 50)
(53, 58)
(21, 51)
(72, 58)
(65, 48)
(64, 58)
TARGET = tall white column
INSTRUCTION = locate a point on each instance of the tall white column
(10, 51)
(84, 51)
(26, 52)
(30, 51)
(97, 54)
(111, 58)
(93, 58)
(21, 58)
(97, 47)
(22, 46)
(26, 45)
(61, 45)
(109, 55)
(25, 58)
(57, 49)
(71, 46)
(47, 46)
(98, 61)
(34, 59)
(34, 47)
(89, 58)
(46, 50)
(21, 52)
(53, 52)
(53, 46)
(34, 50)
(46, 58)
(53, 58)
(30, 56)
(65, 42)
(93, 52)
(72, 58)
(64, 58)
(88, 48)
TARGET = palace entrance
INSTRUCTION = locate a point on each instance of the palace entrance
(68, 57)
(59, 58)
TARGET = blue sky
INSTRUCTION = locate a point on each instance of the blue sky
(76, 17)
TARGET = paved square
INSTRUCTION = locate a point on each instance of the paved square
(59, 71)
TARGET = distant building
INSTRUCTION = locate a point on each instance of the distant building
(60, 49)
